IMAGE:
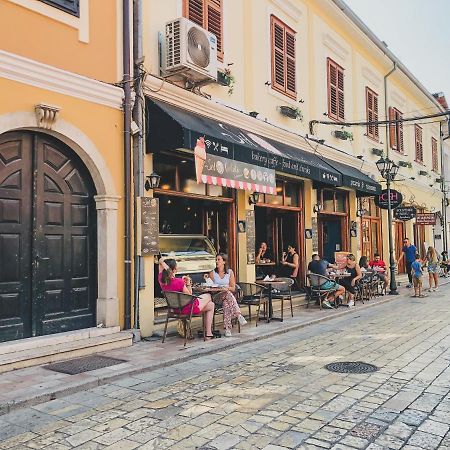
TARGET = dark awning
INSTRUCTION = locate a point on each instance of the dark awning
(171, 127)
(355, 179)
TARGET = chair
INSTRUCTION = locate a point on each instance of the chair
(284, 293)
(251, 294)
(176, 301)
(317, 291)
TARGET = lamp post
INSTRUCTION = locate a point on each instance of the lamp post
(388, 170)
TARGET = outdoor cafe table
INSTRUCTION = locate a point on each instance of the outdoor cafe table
(266, 266)
(270, 286)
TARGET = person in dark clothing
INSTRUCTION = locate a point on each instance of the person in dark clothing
(350, 282)
(290, 263)
(409, 253)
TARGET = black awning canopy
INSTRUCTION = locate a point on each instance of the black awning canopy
(171, 127)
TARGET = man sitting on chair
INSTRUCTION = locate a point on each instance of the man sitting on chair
(380, 266)
(319, 266)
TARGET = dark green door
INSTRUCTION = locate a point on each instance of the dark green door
(48, 278)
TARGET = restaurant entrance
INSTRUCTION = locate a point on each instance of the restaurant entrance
(399, 228)
(332, 223)
(279, 223)
(371, 242)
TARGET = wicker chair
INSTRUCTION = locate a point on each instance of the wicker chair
(317, 292)
(176, 301)
(251, 294)
(284, 293)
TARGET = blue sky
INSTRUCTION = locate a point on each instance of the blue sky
(417, 32)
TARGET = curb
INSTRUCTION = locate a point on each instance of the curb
(102, 380)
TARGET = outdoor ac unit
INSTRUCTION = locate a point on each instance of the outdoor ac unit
(189, 49)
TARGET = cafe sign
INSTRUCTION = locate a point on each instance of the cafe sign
(405, 213)
(382, 200)
(426, 219)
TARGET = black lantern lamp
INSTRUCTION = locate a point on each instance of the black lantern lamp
(254, 198)
(152, 181)
(387, 168)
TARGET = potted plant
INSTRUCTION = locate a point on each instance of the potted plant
(405, 164)
(423, 173)
(226, 78)
(343, 135)
(291, 112)
(377, 152)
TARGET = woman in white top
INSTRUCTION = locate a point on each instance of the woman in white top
(224, 277)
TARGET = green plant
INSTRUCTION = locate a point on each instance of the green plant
(344, 135)
(292, 112)
(229, 80)
(405, 164)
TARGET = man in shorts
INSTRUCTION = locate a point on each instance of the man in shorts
(417, 275)
(408, 252)
(319, 266)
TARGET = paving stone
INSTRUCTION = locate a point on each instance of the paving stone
(424, 440)
(412, 417)
(82, 437)
(391, 442)
(437, 428)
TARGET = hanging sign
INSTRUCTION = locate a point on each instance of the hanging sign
(426, 219)
(405, 213)
(149, 226)
(382, 200)
(251, 236)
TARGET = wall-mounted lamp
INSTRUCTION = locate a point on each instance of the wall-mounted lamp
(152, 181)
(254, 198)
(317, 207)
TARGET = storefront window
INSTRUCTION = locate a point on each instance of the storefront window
(167, 172)
(328, 201)
(292, 197)
(340, 202)
(276, 199)
(218, 191)
(188, 183)
(333, 201)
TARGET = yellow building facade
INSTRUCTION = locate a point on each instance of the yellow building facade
(61, 167)
(285, 63)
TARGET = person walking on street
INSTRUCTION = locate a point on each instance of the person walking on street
(409, 253)
(417, 275)
(433, 261)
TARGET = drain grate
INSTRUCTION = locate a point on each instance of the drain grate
(351, 367)
(85, 364)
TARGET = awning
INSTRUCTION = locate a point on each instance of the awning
(171, 127)
(355, 179)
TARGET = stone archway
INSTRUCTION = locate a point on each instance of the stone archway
(106, 200)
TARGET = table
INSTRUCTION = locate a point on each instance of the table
(262, 266)
(270, 285)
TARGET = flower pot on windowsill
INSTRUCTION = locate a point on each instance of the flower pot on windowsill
(343, 135)
(291, 112)
(377, 151)
(226, 79)
(405, 164)
(424, 173)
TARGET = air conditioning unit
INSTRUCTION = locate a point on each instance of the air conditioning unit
(189, 49)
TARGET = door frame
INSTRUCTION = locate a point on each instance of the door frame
(324, 217)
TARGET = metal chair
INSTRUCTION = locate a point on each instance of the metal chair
(317, 292)
(177, 302)
(284, 293)
(251, 294)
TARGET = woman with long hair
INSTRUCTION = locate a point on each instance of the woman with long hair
(433, 260)
(168, 282)
(349, 282)
(224, 277)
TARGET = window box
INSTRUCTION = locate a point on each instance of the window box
(291, 112)
(405, 164)
(423, 173)
(343, 135)
(226, 78)
(377, 152)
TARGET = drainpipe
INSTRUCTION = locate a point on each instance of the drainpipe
(138, 151)
(393, 283)
(127, 157)
(444, 198)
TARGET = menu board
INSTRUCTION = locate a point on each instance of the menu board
(149, 226)
(315, 235)
(251, 238)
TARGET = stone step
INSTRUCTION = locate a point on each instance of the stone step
(54, 339)
(64, 350)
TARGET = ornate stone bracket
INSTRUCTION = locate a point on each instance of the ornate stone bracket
(46, 115)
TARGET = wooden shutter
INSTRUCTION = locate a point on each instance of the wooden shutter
(392, 129)
(283, 58)
(207, 14)
(419, 144)
(434, 155)
(336, 108)
(399, 116)
(372, 113)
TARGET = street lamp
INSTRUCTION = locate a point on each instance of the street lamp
(388, 170)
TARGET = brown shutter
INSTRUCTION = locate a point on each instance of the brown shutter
(193, 10)
(341, 112)
(369, 111)
(214, 23)
(376, 133)
(434, 155)
(392, 129)
(418, 141)
(290, 63)
(278, 47)
(332, 91)
(400, 132)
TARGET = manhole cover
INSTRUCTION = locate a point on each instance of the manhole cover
(351, 367)
(86, 364)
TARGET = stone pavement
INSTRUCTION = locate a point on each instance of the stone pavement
(34, 385)
(273, 394)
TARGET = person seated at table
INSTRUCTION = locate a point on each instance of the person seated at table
(364, 263)
(380, 267)
(290, 262)
(224, 277)
(320, 266)
(168, 282)
(349, 282)
(445, 263)
(263, 253)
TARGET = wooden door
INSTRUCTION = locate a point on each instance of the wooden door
(47, 238)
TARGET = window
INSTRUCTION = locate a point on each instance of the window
(207, 14)
(396, 130)
(434, 155)
(372, 113)
(283, 58)
(287, 194)
(335, 74)
(419, 144)
(68, 6)
(333, 201)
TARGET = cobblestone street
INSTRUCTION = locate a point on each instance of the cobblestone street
(273, 394)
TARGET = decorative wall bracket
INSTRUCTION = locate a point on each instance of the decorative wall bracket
(46, 115)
